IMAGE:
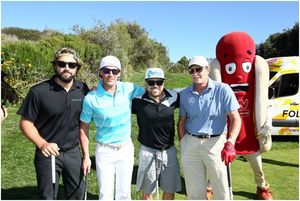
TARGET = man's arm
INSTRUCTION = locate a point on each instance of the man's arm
(84, 143)
(181, 127)
(228, 153)
(235, 126)
(31, 132)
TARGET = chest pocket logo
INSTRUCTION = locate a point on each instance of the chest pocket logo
(191, 100)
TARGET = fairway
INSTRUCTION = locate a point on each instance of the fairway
(281, 167)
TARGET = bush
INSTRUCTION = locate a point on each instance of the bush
(26, 63)
(19, 61)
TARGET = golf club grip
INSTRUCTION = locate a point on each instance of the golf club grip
(228, 174)
(229, 181)
(53, 168)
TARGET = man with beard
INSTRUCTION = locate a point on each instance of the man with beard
(158, 155)
(50, 119)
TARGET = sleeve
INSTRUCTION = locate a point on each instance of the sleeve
(182, 110)
(86, 114)
(133, 108)
(85, 89)
(177, 101)
(137, 91)
(230, 101)
(30, 107)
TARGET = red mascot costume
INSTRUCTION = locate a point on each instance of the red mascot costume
(248, 75)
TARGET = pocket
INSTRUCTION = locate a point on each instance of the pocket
(181, 142)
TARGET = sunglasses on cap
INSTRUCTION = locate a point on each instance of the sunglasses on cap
(63, 64)
(107, 71)
(198, 70)
(153, 82)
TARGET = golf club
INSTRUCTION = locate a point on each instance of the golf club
(53, 175)
(157, 176)
(229, 180)
(85, 186)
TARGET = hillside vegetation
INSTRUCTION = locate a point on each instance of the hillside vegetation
(26, 53)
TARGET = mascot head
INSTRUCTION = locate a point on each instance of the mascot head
(236, 53)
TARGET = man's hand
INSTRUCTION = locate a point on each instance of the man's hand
(49, 149)
(86, 165)
(228, 153)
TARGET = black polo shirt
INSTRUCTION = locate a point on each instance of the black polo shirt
(156, 120)
(54, 111)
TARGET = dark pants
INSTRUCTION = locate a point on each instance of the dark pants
(68, 164)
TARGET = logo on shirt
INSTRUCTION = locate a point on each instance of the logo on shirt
(76, 99)
(191, 100)
(244, 110)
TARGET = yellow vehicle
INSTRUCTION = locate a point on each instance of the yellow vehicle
(284, 95)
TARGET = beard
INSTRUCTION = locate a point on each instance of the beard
(63, 78)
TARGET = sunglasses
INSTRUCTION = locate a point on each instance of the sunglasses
(107, 71)
(153, 82)
(198, 70)
(63, 64)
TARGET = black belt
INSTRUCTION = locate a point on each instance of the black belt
(151, 148)
(164, 148)
(202, 135)
(69, 148)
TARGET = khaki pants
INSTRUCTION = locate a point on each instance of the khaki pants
(201, 160)
(256, 165)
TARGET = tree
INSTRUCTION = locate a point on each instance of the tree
(281, 44)
(180, 66)
(26, 34)
(129, 42)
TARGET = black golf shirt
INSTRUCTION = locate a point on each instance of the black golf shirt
(54, 111)
(156, 120)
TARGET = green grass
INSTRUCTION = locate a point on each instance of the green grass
(18, 182)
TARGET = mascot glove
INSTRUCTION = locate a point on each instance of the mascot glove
(228, 153)
(264, 133)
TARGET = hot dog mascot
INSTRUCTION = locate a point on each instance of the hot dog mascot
(248, 75)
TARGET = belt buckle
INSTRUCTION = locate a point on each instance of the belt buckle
(206, 136)
(117, 147)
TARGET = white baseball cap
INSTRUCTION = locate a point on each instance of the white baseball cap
(154, 73)
(110, 61)
(199, 61)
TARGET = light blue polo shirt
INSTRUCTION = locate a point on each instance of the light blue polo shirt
(207, 113)
(111, 113)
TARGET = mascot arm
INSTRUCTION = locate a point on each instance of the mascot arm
(215, 70)
(262, 114)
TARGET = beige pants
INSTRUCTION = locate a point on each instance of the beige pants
(256, 165)
(201, 160)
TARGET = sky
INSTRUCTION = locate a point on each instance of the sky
(184, 28)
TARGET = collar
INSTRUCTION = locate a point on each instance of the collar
(102, 91)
